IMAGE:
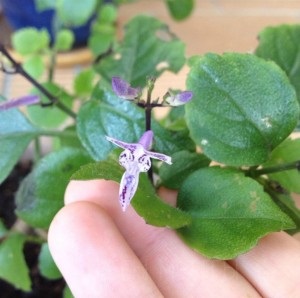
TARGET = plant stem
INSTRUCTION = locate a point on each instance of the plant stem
(295, 165)
(148, 110)
(285, 203)
(37, 150)
(20, 70)
(148, 106)
(56, 25)
(52, 65)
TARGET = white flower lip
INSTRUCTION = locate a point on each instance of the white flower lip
(135, 159)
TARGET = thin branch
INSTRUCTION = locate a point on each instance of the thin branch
(101, 56)
(295, 165)
(18, 69)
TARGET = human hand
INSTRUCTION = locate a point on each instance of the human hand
(104, 252)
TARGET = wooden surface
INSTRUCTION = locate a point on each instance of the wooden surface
(215, 26)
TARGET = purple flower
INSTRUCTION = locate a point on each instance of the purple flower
(178, 99)
(123, 89)
(135, 159)
(22, 101)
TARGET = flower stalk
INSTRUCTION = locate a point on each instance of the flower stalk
(135, 158)
(295, 165)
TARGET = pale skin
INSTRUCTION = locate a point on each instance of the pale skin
(104, 252)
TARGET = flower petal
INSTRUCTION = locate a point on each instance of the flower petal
(126, 158)
(128, 186)
(165, 158)
(146, 139)
(179, 98)
(185, 96)
(121, 144)
(144, 163)
(135, 159)
(22, 101)
(123, 89)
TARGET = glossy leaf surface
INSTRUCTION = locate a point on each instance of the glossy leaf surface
(230, 212)
(41, 193)
(242, 108)
(281, 45)
(184, 163)
(148, 49)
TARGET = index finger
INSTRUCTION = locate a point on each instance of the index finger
(175, 268)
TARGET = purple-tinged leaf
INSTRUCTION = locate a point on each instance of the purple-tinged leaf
(179, 98)
(22, 101)
(123, 89)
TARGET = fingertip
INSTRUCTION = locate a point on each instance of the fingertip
(96, 191)
(93, 256)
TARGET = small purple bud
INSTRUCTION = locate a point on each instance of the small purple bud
(180, 98)
(22, 101)
(123, 89)
(146, 139)
(185, 96)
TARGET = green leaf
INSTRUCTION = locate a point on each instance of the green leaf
(281, 45)
(175, 119)
(34, 65)
(70, 139)
(67, 293)
(146, 203)
(286, 152)
(30, 40)
(180, 9)
(123, 120)
(242, 108)
(75, 13)
(286, 203)
(13, 267)
(47, 267)
(41, 193)
(51, 116)
(184, 163)
(83, 83)
(64, 40)
(148, 49)
(108, 14)
(42, 5)
(15, 135)
(230, 212)
(99, 42)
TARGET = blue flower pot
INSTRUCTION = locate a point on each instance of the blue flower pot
(22, 13)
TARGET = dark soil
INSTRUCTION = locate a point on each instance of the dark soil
(41, 287)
